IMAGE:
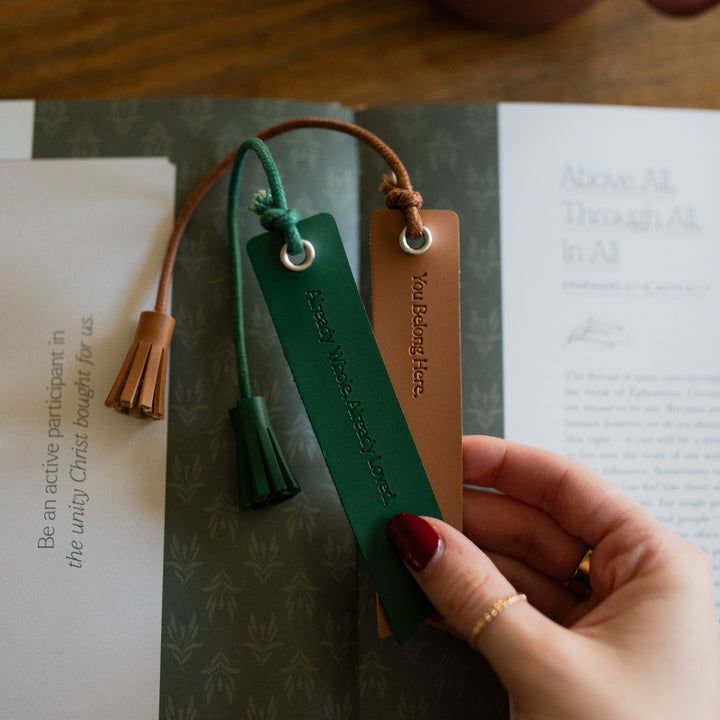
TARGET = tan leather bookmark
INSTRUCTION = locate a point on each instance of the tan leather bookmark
(416, 321)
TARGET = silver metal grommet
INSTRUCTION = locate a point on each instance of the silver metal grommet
(298, 267)
(424, 247)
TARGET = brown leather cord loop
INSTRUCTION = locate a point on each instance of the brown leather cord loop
(409, 201)
(396, 187)
(181, 222)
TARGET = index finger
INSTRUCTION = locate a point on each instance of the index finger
(583, 502)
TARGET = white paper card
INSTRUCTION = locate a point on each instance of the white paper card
(82, 512)
(17, 122)
(610, 230)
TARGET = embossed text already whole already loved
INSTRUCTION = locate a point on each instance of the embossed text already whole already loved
(355, 410)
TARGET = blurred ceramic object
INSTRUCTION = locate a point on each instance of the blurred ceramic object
(529, 15)
(682, 7)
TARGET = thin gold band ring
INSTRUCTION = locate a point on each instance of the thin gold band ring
(492, 612)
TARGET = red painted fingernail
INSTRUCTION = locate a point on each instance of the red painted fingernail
(414, 538)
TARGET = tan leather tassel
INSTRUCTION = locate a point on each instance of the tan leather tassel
(140, 385)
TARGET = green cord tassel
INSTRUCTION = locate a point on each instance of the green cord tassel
(259, 457)
(264, 476)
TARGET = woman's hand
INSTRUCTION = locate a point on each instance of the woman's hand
(644, 645)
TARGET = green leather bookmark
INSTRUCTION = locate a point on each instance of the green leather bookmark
(369, 451)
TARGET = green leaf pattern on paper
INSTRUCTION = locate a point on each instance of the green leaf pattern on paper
(262, 712)
(183, 558)
(416, 708)
(300, 677)
(222, 595)
(181, 640)
(373, 675)
(222, 516)
(220, 679)
(270, 614)
(264, 558)
(185, 479)
(263, 638)
(485, 329)
(339, 709)
(179, 712)
(340, 637)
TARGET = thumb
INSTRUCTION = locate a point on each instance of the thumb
(471, 595)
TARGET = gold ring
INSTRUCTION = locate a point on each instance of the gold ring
(579, 581)
(491, 613)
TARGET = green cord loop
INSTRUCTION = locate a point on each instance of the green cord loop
(272, 207)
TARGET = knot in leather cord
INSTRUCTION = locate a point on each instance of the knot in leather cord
(405, 199)
(274, 218)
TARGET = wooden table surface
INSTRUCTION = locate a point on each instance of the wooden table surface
(356, 52)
